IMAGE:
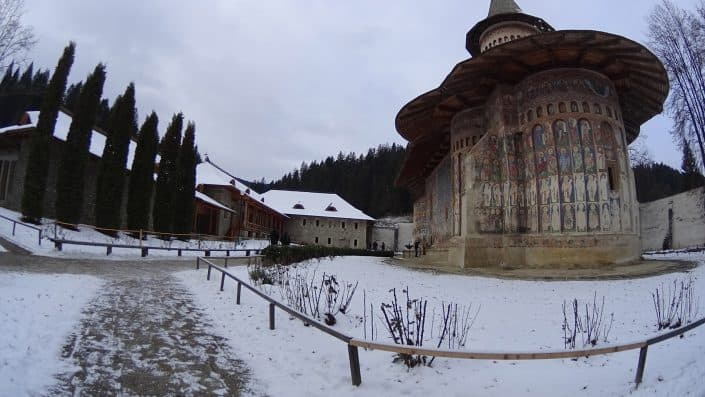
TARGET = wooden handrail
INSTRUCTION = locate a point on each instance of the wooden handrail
(355, 343)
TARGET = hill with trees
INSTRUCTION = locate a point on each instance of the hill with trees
(366, 181)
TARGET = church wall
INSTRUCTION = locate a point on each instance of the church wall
(674, 222)
(439, 198)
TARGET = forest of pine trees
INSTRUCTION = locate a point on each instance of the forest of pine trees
(365, 181)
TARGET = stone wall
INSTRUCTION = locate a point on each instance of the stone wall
(673, 222)
(335, 232)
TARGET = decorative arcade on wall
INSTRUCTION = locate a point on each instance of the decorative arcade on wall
(520, 157)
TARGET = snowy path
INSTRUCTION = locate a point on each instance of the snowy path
(141, 334)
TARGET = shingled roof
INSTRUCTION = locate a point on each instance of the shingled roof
(503, 7)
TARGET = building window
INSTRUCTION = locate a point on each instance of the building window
(342, 224)
(331, 208)
(612, 178)
(355, 225)
(328, 240)
(355, 242)
(316, 240)
(318, 223)
(304, 222)
(298, 206)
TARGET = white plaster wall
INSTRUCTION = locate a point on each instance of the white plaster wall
(383, 235)
(688, 221)
(406, 235)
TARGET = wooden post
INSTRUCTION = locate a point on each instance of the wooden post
(14, 225)
(227, 253)
(208, 277)
(108, 250)
(354, 357)
(198, 262)
(58, 245)
(271, 316)
(40, 237)
(179, 252)
(208, 253)
(641, 365)
(145, 251)
(222, 281)
(239, 288)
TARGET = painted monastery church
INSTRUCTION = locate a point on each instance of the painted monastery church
(520, 157)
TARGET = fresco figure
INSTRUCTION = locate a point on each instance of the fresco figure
(605, 219)
(577, 159)
(560, 129)
(539, 137)
(586, 132)
(579, 188)
(593, 217)
(581, 218)
(555, 194)
(601, 159)
(604, 187)
(552, 164)
(567, 188)
(568, 218)
(545, 219)
(564, 160)
(588, 159)
(556, 218)
(541, 165)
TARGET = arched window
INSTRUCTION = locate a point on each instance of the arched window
(550, 109)
(331, 208)
(598, 108)
(539, 111)
(586, 107)
(561, 107)
(574, 107)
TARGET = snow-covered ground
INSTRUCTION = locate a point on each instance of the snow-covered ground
(27, 238)
(515, 316)
(37, 313)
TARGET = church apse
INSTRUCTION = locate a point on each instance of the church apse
(537, 170)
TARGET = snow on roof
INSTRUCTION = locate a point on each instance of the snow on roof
(209, 174)
(325, 205)
(209, 200)
(61, 131)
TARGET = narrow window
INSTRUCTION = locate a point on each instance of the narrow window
(328, 240)
(318, 223)
(304, 222)
(612, 178)
(342, 224)
(316, 240)
(355, 225)
(355, 242)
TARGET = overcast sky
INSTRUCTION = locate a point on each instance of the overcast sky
(272, 83)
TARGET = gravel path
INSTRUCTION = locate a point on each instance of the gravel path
(142, 335)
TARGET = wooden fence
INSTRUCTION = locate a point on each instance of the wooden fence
(354, 343)
(16, 222)
(59, 244)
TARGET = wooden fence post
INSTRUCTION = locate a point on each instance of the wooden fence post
(239, 288)
(198, 262)
(208, 277)
(222, 281)
(641, 365)
(354, 357)
(145, 251)
(14, 225)
(271, 316)
(108, 250)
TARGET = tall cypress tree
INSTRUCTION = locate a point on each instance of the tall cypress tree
(111, 175)
(186, 184)
(71, 175)
(692, 178)
(141, 185)
(38, 161)
(163, 212)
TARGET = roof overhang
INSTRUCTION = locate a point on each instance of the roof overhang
(638, 75)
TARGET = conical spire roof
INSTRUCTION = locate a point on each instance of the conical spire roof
(503, 7)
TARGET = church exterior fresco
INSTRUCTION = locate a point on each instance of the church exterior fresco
(536, 171)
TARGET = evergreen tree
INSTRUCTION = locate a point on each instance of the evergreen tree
(71, 174)
(27, 77)
(162, 213)
(111, 175)
(691, 174)
(72, 95)
(141, 185)
(186, 183)
(38, 161)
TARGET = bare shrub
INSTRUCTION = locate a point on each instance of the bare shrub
(406, 324)
(676, 305)
(588, 324)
